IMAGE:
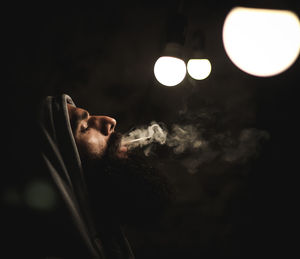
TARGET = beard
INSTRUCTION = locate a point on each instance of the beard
(129, 190)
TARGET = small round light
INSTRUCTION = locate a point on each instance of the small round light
(169, 71)
(199, 69)
(262, 42)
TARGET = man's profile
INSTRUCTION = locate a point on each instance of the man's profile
(103, 185)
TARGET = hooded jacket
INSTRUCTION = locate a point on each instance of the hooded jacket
(60, 154)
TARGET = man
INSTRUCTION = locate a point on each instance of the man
(103, 185)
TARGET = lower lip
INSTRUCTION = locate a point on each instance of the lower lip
(123, 149)
(122, 152)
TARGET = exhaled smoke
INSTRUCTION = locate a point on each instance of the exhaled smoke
(183, 138)
(145, 136)
(189, 139)
(245, 146)
(180, 139)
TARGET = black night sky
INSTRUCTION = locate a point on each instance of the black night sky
(240, 199)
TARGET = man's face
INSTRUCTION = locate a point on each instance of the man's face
(92, 133)
(122, 184)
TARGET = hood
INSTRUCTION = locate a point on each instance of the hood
(59, 152)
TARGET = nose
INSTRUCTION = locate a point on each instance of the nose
(104, 124)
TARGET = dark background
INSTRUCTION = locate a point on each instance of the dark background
(103, 57)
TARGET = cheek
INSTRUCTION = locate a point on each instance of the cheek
(92, 145)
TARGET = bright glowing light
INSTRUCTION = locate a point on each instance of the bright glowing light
(199, 69)
(169, 71)
(262, 42)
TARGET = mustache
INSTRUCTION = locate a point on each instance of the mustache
(113, 144)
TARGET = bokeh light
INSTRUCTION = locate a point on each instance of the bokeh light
(199, 69)
(262, 42)
(169, 71)
(40, 195)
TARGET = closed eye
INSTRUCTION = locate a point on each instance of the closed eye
(81, 121)
(84, 128)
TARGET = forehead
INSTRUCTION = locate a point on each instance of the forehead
(75, 111)
(71, 110)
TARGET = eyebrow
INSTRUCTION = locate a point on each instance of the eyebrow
(77, 118)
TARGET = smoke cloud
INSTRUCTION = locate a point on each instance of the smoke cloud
(145, 135)
(198, 147)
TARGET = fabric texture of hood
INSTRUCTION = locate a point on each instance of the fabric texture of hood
(59, 151)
